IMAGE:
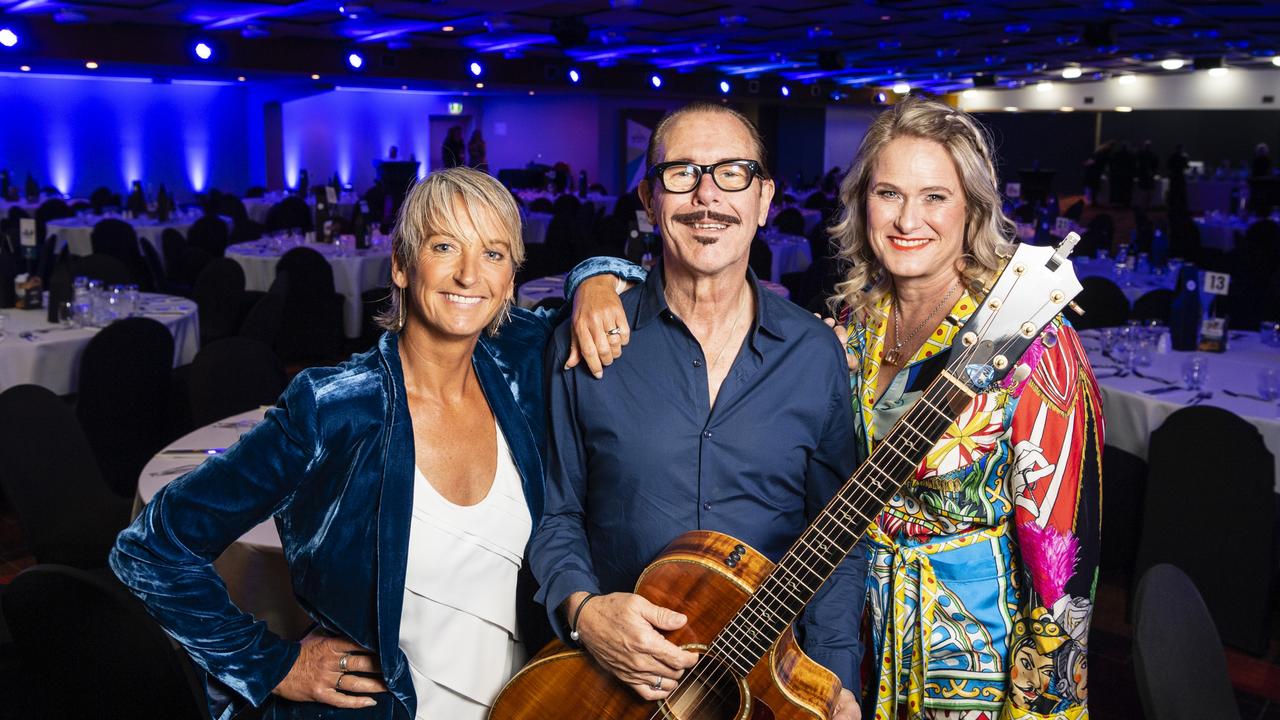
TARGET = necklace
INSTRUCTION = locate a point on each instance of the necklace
(894, 355)
(724, 345)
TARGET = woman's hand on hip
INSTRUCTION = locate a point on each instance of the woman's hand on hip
(599, 323)
(327, 669)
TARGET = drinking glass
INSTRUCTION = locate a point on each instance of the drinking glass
(1269, 384)
(116, 304)
(4, 321)
(1269, 332)
(97, 302)
(1108, 335)
(1195, 373)
(67, 314)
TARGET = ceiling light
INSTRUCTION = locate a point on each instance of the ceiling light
(1066, 108)
(202, 50)
(1276, 61)
(447, 28)
(1217, 72)
(355, 60)
(25, 68)
(1127, 79)
(786, 91)
(475, 68)
(1172, 64)
(1070, 73)
(902, 88)
(8, 37)
(315, 76)
(240, 78)
(479, 86)
(1124, 108)
(574, 76)
(91, 65)
(532, 92)
(1044, 86)
(655, 80)
(724, 86)
(1010, 108)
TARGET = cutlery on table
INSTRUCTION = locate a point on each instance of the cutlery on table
(1235, 394)
(1201, 397)
(1164, 389)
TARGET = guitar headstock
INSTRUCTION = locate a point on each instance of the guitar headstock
(1034, 286)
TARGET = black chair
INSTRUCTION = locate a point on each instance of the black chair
(311, 328)
(106, 268)
(291, 213)
(541, 205)
(264, 318)
(123, 396)
(1177, 655)
(117, 238)
(50, 478)
(231, 376)
(816, 201)
(52, 209)
(761, 258)
(102, 198)
(210, 234)
(1230, 554)
(156, 279)
(255, 191)
(1153, 305)
(789, 221)
(217, 291)
(550, 303)
(1104, 303)
(91, 650)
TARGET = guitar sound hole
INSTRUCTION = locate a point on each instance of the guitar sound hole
(709, 691)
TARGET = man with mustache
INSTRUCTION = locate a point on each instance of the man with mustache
(729, 412)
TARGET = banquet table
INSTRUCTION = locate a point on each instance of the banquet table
(528, 294)
(35, 351)
(1131, 412)
(354, 271)
(1219, 231)
(257, 208)
(534, 227)
(76, 233)
(607, 202)
(791, 253)
(253, 567)
(811, 216)
(1134, 283)
(1206, 195)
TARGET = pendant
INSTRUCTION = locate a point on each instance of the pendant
(892, 356)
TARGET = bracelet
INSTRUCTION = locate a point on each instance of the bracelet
(573, 622)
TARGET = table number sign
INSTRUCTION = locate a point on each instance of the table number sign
(1216, 283)
(27, 232)
(1213, 335)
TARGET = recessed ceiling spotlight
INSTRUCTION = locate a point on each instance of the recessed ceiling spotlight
(355, 60)
(91, 65)
(724, 86)
(902, 88)
(1044, 86)
(202, 50)
(25, 68)
(655, 80)
(574, 76)
(8, 37)
(1276, 61)
(532, 92)
(1172, 63)
(1127, 79)
(315, 76)
(1066, 108)
(240, 78)
(475, 68)
(1010, 108)
(1070, 73)
(447, 28)
(786, 91)
(479, 86)
(1124, 108)
(1217, 72)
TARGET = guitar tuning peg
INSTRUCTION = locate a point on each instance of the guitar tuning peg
(1078, 310)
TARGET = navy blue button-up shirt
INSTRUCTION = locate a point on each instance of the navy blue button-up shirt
(639, 457)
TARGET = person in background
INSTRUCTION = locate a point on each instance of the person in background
(1177, 200)
(1122, 167)
(453, 151)
(982, 568)
(1148, 166)
(1261, 165)
(477, 156)
(750, 434)
(404, 483)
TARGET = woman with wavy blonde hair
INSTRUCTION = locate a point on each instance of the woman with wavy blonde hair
(993, 545)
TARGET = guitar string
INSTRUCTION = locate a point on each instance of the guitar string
(827, 517)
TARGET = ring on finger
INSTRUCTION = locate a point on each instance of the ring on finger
(614, 331)
(342, 664)
(338, 685)
(657, 683)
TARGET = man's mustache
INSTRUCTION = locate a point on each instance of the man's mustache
(705, 215)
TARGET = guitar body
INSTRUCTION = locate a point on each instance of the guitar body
(708, 577)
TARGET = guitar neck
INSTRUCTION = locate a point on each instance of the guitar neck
(833, 534)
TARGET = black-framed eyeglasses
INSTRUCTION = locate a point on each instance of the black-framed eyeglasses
(683, 177)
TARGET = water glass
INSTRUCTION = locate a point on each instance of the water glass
(115, 305)
(1195, 373)
(1269, 332)
(132, 299)
(67, 314)
(1269, 384)
(4, 322)
(1108, 335)
(97, 302)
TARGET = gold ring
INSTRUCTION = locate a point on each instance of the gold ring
(338, 685)
(342, 664)
(614, 331)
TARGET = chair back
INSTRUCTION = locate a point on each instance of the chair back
(1153, 305)
(108, 269)
(1228, 495)
(789, 221)
(210, 234)
(217, 292)
(1177, 655)
(117, 238)
(52, 481)
(290, 213)
(172, 242)
(1104, 303)
(93, 652)
(310, 275)
(156, 279)
(123, 397)
(231, 376)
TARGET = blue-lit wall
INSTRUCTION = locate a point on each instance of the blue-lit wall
(78, 133)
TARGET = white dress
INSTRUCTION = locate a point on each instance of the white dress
(458, 625)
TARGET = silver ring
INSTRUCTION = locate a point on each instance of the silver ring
(614, 331)
(342, 664)
(338, 685)
(657, 683)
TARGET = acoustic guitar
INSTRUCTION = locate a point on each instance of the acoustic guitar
(740, 606)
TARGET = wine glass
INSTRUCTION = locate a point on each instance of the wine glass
(1195, 373)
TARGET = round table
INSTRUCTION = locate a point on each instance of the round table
(791, 253)
(1219, 231)
(253, 567)
(76, 233)
(607, 202)
(1131, 412)
(35, 351)
(257, 208)
(354, 271)
(1133, 283)
(528, 294)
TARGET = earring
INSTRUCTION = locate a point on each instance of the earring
(403, 313)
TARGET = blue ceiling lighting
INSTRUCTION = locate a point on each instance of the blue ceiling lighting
(957, 15)
(574, 76)
(355, 60)
(655, 80)
(8, 37)
(203, 51)
(475, 68)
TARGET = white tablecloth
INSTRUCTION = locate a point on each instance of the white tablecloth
(257, 208)
(1134, 284)
(354, 271)
(76, 233)
(52, 357)
(1207, 195)
(528, 294)
(1219, 232)
(253, 567)
(534, 227)
(1132, 414)
(791, 253)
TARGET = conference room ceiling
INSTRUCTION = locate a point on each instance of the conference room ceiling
(930, 44)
